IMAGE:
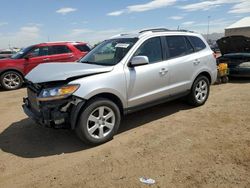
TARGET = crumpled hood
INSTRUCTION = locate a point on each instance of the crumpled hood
(49, 72)
(234, 44)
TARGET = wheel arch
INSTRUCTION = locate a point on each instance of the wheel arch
(110, 96)
(12, 69)
(206, 74)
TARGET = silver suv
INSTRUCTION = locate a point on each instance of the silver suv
(121, 75)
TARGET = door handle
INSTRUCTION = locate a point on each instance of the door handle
(71, 56)
(163, 71)
(46, 59)
(196, 62)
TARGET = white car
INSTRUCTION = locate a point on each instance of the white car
(123, 74)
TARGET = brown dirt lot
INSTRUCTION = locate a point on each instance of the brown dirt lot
(174, 144)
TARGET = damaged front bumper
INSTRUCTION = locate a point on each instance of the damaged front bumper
(55, 114)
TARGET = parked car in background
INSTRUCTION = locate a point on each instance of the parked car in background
(13, 69)
(121, 75)
(235, 51)
(6, 53)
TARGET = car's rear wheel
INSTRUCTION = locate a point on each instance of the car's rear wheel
(199, 92)
(11, 80)
(98, 122)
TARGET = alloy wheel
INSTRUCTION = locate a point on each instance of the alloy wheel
(101, 122)
(201, 91)
(11, 80)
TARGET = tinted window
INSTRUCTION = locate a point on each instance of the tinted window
(82, 47)
(152, 49)
(197, 43)
(178, 46)
(62, 49)
(40, 51)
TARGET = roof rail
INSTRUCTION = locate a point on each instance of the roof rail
(164, 30)
(154, 30)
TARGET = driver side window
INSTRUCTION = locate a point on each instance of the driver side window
(152, 49)
(40, 51)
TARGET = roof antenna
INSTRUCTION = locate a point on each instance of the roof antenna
(178, 28)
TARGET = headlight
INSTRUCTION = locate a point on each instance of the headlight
(57, 92)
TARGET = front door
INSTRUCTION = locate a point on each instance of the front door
(35, 57)
(149, 82)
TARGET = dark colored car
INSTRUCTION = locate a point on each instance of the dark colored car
(235, 51)
(13, 69)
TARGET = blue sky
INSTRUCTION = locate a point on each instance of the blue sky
(31, 21)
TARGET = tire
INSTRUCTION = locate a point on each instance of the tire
(199, 92)
(225, 79)
(93, 128)
(11, 80)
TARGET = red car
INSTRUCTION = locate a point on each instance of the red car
(13, 70)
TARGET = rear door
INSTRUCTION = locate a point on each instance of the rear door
(35, 57)
(182, 63)
(61, 53)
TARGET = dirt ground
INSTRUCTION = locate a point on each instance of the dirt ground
(174, 144)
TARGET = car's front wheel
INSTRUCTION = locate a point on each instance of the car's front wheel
(98, 122)
(11, 80)
(199, 91)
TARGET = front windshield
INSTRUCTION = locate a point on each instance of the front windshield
(21, 53)
(109, 52)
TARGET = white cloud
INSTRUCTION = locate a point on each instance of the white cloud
(188, 23)
(35, 24)
(215, 25)
(78, 32)
(243, 7)
(116, 13)
(155, 4)
(176, 17)
(3, 23)
(240, 6)
(90, 35)
(26, 35)
(66, 10)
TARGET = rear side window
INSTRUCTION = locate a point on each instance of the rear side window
(178, 46)
(197, 43)
(60, 49)
(152, 49)
(82, 47)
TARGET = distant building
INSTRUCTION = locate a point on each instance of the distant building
(241, 27)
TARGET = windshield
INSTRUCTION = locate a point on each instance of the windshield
(109, 52)
(21, 53)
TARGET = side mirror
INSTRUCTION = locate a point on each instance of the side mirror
(139, 60)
